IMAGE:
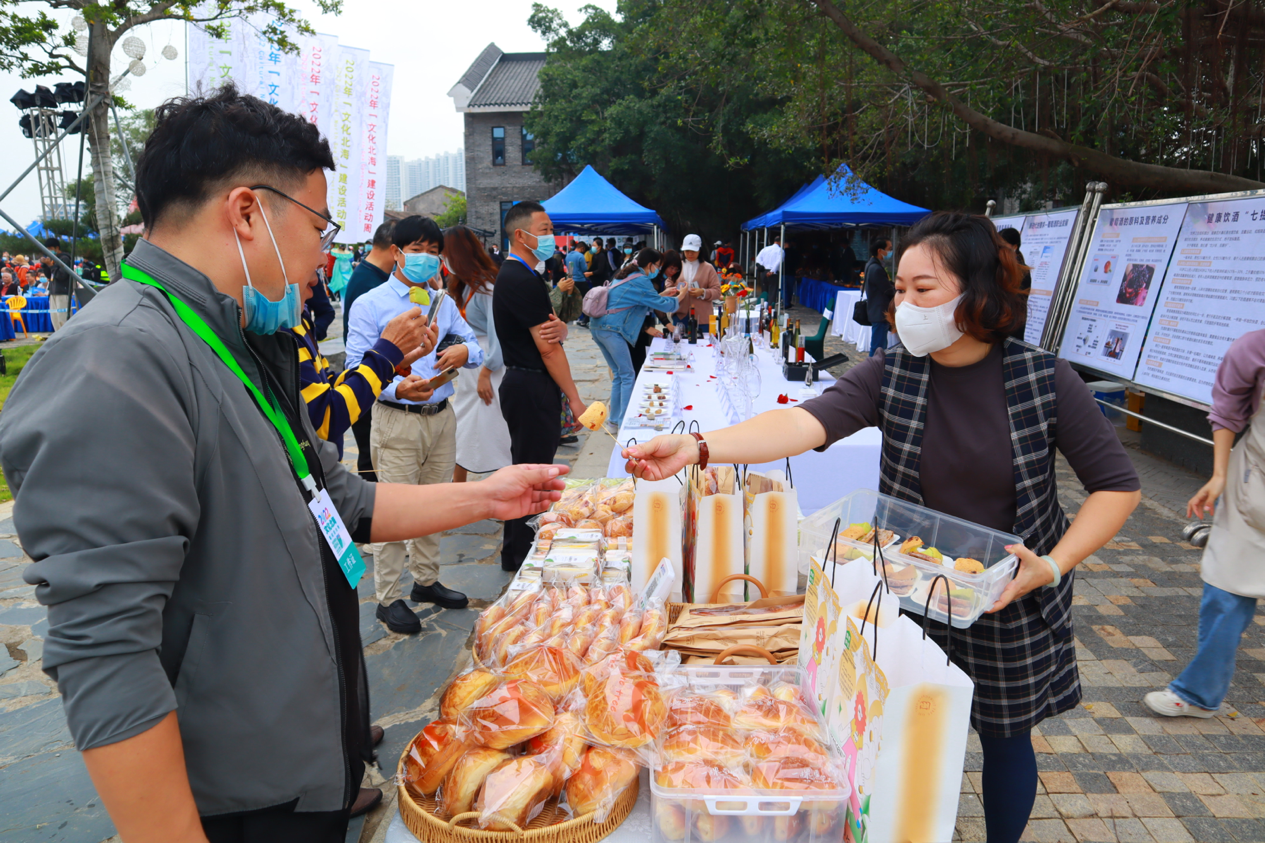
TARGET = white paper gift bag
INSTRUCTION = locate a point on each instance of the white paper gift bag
(657, 526)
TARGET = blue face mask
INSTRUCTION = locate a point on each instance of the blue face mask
(544, 248)
(420, 267)
(263, 316)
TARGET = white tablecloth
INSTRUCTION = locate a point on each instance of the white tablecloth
(820, 478)
(858, 335)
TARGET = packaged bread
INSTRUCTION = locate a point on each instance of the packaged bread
(627, 710)
(514, 793)
(670, 817)
(561, 748)
(581, 637)
(685, 709)
(463, 783)
(629, 626)
(603, 646)
(422, 751)
(629, 661)
(654, 625)
(604, 773)
(786, 745)
(554, 669)
(514, 711)
(715, 744)
(464, 690)
(802, 778)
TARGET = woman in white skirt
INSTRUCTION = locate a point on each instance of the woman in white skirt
(483, 439)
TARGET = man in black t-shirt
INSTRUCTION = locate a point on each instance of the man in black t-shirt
(537, 374)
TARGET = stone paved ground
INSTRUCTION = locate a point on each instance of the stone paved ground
(1109, 770)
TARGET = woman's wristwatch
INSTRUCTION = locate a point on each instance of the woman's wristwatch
(1058, 572)
(703, 453)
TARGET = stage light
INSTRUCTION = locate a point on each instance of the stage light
(23, 100)
(24, 122)
(44, 97)
(67, 118)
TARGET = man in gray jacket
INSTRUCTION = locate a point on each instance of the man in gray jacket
(187, 525)
(879, 293)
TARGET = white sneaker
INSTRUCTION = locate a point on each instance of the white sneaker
(1170, 705)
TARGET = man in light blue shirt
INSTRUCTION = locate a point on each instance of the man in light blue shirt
(413, 437)
(577, 269)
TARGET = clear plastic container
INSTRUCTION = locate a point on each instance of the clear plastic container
(910, 577)
(750, 814)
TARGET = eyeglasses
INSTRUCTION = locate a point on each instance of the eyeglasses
(327, 237)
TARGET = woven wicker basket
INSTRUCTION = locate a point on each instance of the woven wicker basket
(553, 825)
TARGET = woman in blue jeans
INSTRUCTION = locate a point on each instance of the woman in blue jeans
(630, 298)
(1232, 567)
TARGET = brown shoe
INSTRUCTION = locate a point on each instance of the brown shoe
(368, 799)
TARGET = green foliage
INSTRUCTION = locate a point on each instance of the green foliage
(454, 212)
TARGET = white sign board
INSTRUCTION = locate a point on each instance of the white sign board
(347, 96)
(1213, 294)
(1119, 285)
(1044, 239)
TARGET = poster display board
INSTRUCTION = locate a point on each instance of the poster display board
(1119, 285)
(1214, 293)
(336, 87)
(1044, 239)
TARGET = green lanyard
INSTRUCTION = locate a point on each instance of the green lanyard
(269, 408)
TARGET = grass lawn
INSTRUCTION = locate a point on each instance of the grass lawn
(15, 359)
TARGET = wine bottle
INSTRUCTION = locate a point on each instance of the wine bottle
(799, 349)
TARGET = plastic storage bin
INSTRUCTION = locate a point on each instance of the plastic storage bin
(910, 577)
(751, 815)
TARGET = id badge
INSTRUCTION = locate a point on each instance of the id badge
(336, 536)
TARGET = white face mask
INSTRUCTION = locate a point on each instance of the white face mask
(925, 330)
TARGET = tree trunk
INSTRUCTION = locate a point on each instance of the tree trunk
(98, 129)
(1121, 172)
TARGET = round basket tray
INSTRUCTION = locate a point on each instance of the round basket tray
(552, 825)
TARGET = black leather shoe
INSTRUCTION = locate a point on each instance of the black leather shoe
(445, 598)
(506, 566)
(398, 617)
(569, 440)
(368, 799)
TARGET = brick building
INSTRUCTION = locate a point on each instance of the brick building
(495, 94)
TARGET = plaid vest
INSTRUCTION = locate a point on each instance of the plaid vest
(1032, 407)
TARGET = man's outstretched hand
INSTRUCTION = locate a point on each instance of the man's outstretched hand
(520, 490)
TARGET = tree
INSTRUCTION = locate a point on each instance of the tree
(454, 212)
(22, 35)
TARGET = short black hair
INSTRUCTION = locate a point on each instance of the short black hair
(201, 144)
(1011, 236)
(884, 243)
(52, 243)
(417, 229)
(519, 214)
(610, 242)
(382, 237)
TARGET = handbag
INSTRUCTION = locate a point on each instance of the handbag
(566, 305)
(861, 310)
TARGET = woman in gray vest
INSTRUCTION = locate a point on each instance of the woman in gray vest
(947, 399)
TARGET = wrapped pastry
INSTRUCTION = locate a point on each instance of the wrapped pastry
(695, 710)
(619, 527)
(620, 595)
(577, 597)
(462, 785)
(627, 710)
(587, 616)
(555, 670)
(786, 745)
(670, 817)
(464, 690)
(589, 524)
(788, 692)
(548, 531)
(602, 515)
(541, 611)
(580, 638)
(797, 776)
(561, 620)
(599, 597)
(422, 750)
(610, 620)
(604, 774)
(574, 511)
(514, 792)
(535, 638)
(753, 826)
(506, 640)
(621, 501)
(703, 743)
(606, 643)
(627, 661)
(711, 827)
(629, 626)
(513, 712)
(561, 748)
(762, 712)
(654, 625)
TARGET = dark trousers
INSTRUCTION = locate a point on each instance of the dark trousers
(878, 337)
(278, 825)
(361, 431)
(532, 406)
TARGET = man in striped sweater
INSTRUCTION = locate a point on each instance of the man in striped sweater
(336, 399)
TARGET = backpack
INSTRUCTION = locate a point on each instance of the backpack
(595, 299)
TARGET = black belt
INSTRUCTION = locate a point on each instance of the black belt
(419, 409)
(525, 369)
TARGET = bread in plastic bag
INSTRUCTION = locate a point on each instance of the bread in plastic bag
(555, 670)
(514, 793)
(561, 748)
(514, 711)
(462, 785)
(605, 645)
(629, 626)
(432, 739)
(627, 710)
(604, 773)
(787, 745)
(654, 625)
(593, 675)
(465, 689)
(670, 817)
(688, 709)
(716, 744)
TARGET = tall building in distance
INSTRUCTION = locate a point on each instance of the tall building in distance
(408, 178)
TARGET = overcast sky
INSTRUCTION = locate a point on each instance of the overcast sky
(430, 43)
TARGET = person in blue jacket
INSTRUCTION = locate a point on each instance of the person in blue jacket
(630, 298)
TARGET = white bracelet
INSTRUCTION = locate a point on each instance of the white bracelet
(1058, 572)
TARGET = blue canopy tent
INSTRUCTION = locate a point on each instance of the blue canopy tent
(826, 203)
(592, 205)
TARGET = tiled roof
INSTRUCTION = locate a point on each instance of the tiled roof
(480, 67)
(512, 82)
